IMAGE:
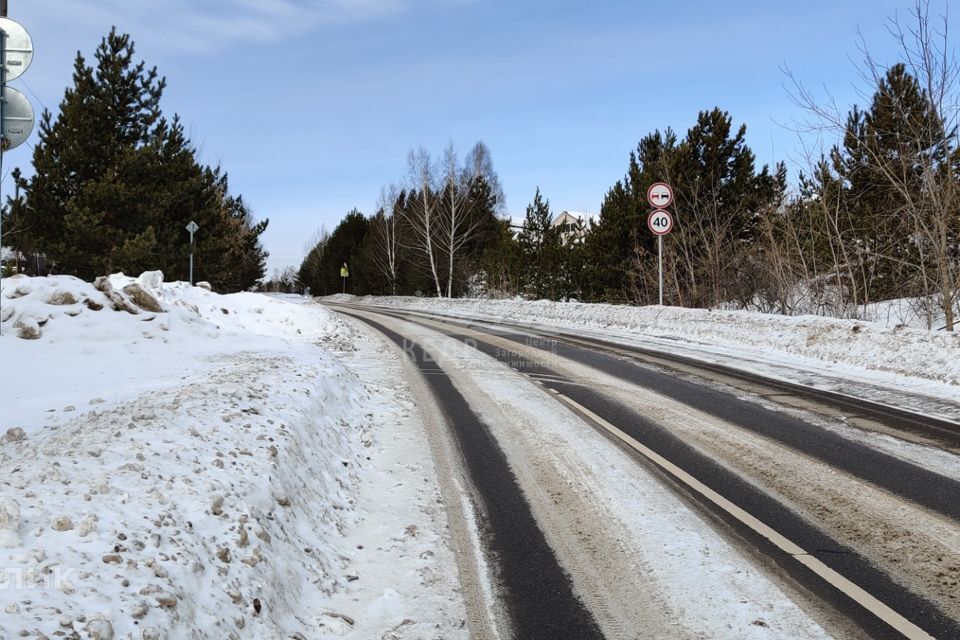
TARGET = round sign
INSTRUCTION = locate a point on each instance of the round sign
(660, 195)
(16, 54)
(660, 222)
(17, 119)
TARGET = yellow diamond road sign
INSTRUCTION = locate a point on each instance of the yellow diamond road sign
(344, 272)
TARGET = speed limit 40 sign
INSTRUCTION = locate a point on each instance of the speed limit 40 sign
(660, 222)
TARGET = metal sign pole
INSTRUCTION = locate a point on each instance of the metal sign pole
(191, 229)
(16, 112)
(660, 222)
(3, 86)
(660, 261)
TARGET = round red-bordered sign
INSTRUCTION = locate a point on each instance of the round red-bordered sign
(660, 222)
(660, 195)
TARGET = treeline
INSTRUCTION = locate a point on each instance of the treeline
(439, 235)
(405, 246)
(876, 217)
(115, 183)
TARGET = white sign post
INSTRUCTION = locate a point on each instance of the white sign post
(660, 222)
(192, 228)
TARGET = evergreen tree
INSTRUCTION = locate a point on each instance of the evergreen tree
(573, 261)
(500, 263)
(719, 197)
(321, 269)
(115, 184)
(76, 199)
(540, 251)
(885, 152)
(613, 245)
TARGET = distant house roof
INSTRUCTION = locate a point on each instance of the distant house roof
(565, 217)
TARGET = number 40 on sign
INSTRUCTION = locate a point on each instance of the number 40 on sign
(660, 222)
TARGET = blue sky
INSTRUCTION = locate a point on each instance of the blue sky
(312, 105)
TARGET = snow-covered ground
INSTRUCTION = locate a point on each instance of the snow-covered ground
(211, 469)
(252, 466)
(813, 350)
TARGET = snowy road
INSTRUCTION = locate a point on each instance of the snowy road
(789, 523)
(244, 466)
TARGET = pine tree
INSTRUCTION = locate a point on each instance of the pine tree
(344, 246)
(500, 262)
(614, 244)
(885, 151)
(719, 197)
(76, 199)
(539, 243)
(115, 183)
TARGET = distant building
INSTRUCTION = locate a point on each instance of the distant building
(573, 226)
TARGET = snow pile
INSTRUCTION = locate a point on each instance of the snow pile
(863, 345)
(186, 472)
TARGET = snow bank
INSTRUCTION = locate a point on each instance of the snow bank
(858, 344)
(170, 474)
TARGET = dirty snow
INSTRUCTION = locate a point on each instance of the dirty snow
(205, 471)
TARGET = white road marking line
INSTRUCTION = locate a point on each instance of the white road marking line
(851, 590)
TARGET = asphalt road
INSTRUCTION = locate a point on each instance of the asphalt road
(500, 492)
(536, 591)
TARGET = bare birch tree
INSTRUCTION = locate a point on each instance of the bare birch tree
(385, 228)
(421, 212)
(315, 250)
(458, 222)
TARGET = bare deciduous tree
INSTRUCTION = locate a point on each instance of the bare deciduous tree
(913, 159)
(385, 228)
(421, 211)
(458, 222)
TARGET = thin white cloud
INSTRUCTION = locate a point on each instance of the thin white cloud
(197, 26)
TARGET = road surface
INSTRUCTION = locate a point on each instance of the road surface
(860, 541)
